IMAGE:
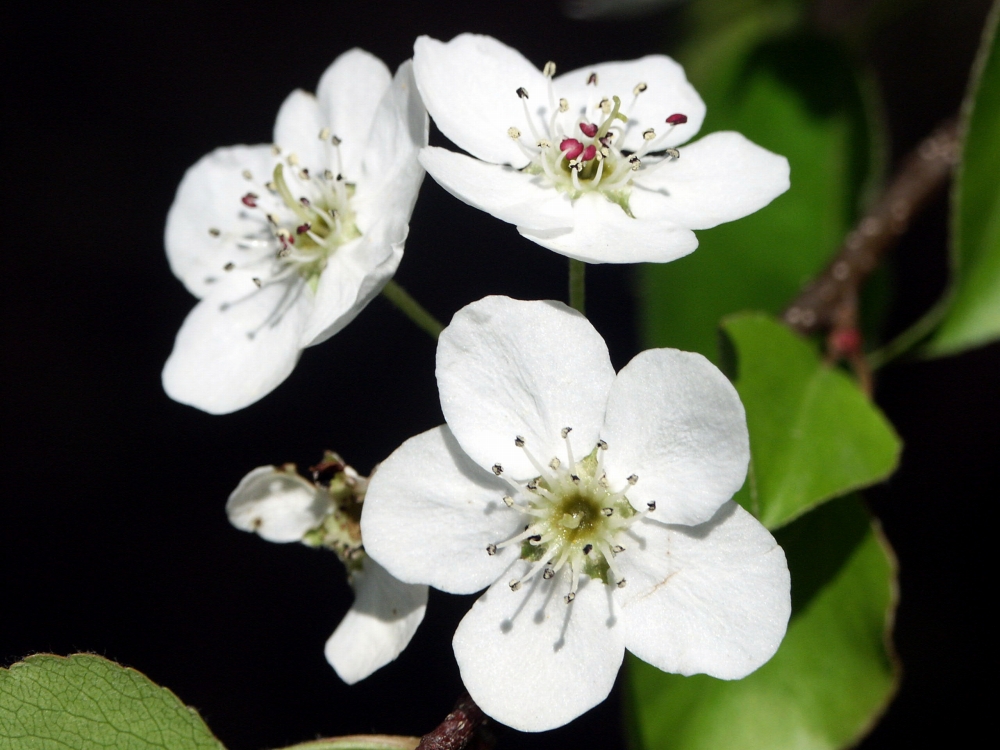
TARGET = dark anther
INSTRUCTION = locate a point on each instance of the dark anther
(587, 548)
(491, 549)
(519, 441)
(522, 92)
(497, 469)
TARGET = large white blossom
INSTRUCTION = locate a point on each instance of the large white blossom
(596, 508)
(585, 163)
(285, 244)
(281, 506)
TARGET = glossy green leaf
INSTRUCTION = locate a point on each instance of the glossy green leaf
(972, 316)
(834, 673)
(798, 96)
(84, 701)
(813, 434)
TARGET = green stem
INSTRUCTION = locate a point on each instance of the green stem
(412, 309)
(908, 338)
(577, 291)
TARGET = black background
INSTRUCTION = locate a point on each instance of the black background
(113, 536)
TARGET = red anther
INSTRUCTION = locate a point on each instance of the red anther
(589, 153)
(592, 79)
(589, 129)
(571, 147)
(250, 200)
(303, 228)
(845, 341)
(677, 119)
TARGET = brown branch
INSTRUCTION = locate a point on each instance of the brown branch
(829, 303)
(461, 729)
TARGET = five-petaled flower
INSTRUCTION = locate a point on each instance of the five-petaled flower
(281, 506)
(586, 163)
(285, 244)
(596, 507)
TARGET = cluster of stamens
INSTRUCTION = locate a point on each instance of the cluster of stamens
(578, 156)
(575, 520)
(304, 217)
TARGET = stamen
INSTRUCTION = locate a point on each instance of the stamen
(563, 105)
(549, 70)
(677, 119)
(247, 174)
(250, 200)
(324, 134)
(639, 88)
(229, 266)
(214, 232)
(514, 133)
(497, 469)
(522, 92)
(589, 129)
(592, 79)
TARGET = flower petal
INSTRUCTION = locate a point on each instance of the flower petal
(710, 599)
(430, 513)
(297, 129)
(380, 624)
(353, 276)
(677, 422)
(391, 175)
(533, 662)
(237, 346)
(511, 196)
(507, 368)
(349, 92)
(208, 198)
(469, 86)
(667, 92)
(603, 233)
(278, 504)
(718, 178)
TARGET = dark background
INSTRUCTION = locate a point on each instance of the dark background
(113, 536)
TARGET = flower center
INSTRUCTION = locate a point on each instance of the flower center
(573, 519)
(303, 216)
(577, 154)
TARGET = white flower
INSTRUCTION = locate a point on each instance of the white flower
(281, 506)
(286, 244)
(596, 508)
(593, 170)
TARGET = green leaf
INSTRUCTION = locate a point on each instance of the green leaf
(813, 435)
(798, 96)
(84, 701)
(972, 316)
(834, 673)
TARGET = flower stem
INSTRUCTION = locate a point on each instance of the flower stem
(412, 309)
(577, 293)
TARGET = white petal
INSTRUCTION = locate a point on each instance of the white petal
(353, 276)
(507, 368)
(710, 599)
(209, 198)
(430, 513)
(349, 93)
(718, 178)
(677, 422)
(237, 346)
(603, 233)
(511, 196)
(533, 662)
(380, 624)
(297, 129)
(278, 504)
(399, 129)
(667, 92)
(469, 86)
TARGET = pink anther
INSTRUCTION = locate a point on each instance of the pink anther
(589, 129)
(571, 147)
